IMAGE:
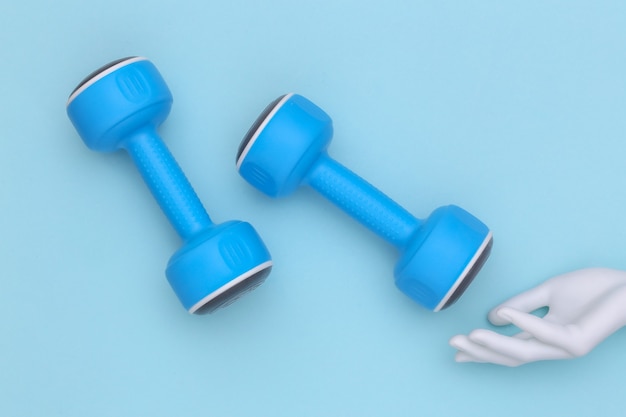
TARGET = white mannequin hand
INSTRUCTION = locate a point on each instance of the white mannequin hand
(585, 307)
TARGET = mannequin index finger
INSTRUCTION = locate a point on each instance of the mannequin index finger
(526, 302)
(547, 332)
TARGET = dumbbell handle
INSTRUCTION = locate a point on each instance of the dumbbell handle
(168, 183)
(362, 201)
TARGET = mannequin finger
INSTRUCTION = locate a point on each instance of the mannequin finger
(464, 357)
(478, 353)
(530, 350)
(523, 336)
(527, 301)
(544, 330)
(461, 357)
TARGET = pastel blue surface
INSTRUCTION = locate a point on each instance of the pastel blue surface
(512, 110)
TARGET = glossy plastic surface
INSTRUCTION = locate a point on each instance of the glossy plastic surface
(120, 106)
(287, 147)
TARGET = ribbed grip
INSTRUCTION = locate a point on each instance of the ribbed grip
(168, 183)
(362, 201)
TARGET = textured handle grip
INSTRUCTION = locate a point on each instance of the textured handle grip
(362, 201)
(168, 184)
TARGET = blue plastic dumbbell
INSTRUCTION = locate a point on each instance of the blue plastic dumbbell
(286, 147)
(120, 106)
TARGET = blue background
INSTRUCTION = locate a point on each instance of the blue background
(512, 110)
